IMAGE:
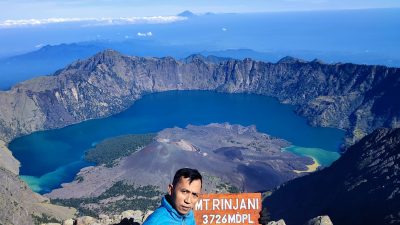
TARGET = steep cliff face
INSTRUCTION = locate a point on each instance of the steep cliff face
(362, 187)
(358, 98)
(7, 161)
(19, 205)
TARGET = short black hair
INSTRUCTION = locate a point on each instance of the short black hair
(192, 174)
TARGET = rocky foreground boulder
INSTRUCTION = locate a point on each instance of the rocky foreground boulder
(129, 217)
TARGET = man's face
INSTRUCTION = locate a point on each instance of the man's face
(184, 195)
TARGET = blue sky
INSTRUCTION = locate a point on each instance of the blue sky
(40, 9)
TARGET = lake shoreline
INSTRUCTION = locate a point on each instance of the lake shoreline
(148, 115)
(310, 168)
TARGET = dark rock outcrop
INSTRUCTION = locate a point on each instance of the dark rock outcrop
(362, 187)
(358, 98)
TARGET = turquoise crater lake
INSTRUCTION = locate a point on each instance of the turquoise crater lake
(52, 157)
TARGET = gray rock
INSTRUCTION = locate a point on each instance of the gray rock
(87, 220)
(117, 218)
(147, 214)
(137, 215)
(104, 219)
(68, 222)
(279, 222)
(320, 220)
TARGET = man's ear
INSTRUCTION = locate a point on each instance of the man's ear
(170, 189)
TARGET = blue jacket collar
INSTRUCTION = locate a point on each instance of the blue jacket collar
(172, 211)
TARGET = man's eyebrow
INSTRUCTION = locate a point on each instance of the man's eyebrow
(185, 189)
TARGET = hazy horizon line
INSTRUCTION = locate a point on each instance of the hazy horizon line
(160, 19)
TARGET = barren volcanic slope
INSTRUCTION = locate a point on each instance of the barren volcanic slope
(238, 155)
(361, 188)
(229, 156)
(358, 98)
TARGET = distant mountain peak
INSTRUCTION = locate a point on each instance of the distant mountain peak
(209, 58)
(318, 61)
(186, 13)
(290, 59)
(194, 57)
(107, 54)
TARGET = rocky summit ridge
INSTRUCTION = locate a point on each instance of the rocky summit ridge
(358, 98)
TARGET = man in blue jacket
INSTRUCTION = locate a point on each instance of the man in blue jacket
(176, 207)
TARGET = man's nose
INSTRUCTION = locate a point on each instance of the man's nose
(188, 199)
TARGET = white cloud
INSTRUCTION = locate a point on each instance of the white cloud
(93, 21)
(224, 29)
(25, 22)
(148, 34)
(39, 45)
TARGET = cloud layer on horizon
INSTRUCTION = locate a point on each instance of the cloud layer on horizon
(92, 21)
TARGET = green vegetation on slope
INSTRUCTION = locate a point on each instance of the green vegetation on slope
(109, 150)
(228, 188)
(44, 219)
(116, 199)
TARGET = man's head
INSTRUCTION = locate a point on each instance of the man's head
(185, 189)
